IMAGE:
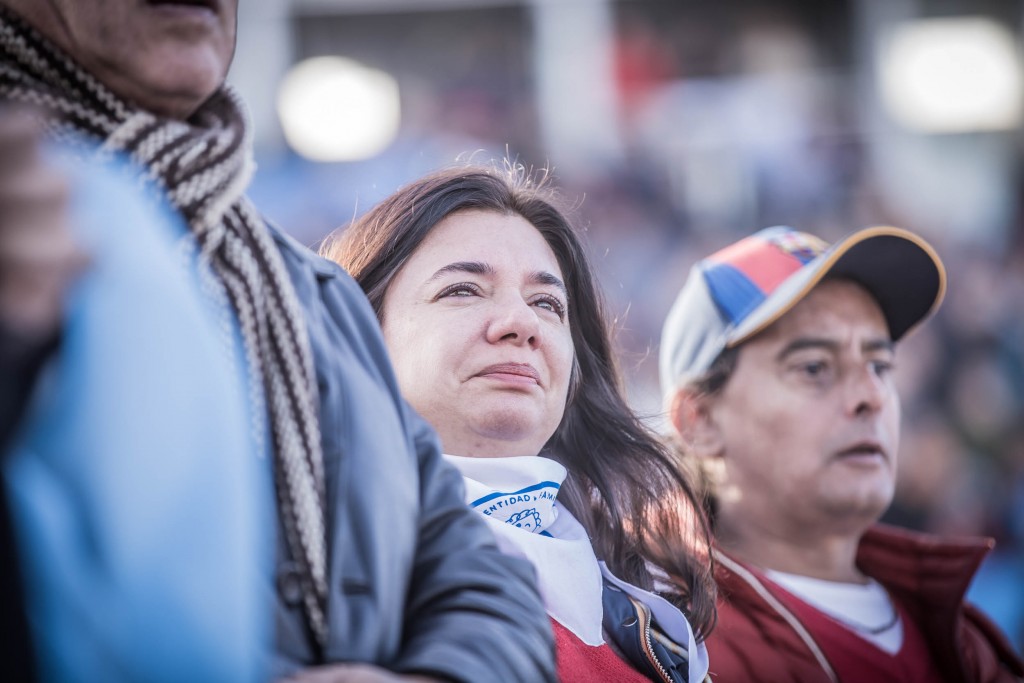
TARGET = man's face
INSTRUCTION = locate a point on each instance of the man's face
(168, 56)
(808, 425)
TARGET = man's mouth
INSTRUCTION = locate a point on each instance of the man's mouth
(211, 5)
(863, 450)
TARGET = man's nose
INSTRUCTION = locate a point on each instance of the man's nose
(866, 391)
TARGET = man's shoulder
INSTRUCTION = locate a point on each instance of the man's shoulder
(298, 256)
(293, 250)
(334, 304)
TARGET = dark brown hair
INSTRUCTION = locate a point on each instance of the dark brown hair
(623, 485)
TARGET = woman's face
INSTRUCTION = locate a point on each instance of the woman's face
(477, 325)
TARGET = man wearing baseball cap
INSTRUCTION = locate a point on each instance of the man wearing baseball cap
(776, 364)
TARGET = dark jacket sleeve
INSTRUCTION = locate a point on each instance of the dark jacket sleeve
(20, 364)
(473, 614)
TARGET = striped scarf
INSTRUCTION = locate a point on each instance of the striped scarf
(203, 167)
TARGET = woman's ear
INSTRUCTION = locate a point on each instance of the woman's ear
(693, 419)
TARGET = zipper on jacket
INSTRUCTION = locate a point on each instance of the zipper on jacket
(644, 614)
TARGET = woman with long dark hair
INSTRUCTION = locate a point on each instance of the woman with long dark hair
(495, 325)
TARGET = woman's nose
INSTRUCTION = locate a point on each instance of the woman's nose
(514, 320)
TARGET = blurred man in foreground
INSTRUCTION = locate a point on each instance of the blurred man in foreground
(379, 566)
(776, 362)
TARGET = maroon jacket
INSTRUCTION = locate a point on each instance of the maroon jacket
(757, 639)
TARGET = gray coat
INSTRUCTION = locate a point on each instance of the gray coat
(416, 583)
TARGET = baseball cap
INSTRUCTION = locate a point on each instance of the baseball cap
(737, 292)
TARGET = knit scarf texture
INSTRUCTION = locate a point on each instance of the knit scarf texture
(203, 166)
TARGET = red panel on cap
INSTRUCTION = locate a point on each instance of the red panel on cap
(762, 262)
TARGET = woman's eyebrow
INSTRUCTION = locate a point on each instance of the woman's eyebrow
(472, 267)
(543, 277)
(540, 277)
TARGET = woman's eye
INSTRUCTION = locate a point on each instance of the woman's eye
(552, 304)
(460, 289)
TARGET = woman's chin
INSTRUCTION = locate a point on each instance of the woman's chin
(501, 434)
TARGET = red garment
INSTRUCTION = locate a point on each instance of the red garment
(581, 663)
(759, 639)
(855, 659)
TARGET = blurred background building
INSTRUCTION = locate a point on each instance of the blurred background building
(677, 126)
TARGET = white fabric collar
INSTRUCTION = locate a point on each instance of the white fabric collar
(517, 498)
(849, 604)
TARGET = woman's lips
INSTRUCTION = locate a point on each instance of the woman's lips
(516, 373)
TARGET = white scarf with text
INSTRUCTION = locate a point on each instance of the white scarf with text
(517, 498)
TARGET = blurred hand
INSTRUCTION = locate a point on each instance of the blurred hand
(353, 673)
(38, 258)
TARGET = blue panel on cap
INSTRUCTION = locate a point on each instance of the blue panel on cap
(733, 292)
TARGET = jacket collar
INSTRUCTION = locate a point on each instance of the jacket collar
(290, 247)
(927, 574)
(922, 565)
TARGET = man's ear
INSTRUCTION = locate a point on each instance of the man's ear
(692, 418)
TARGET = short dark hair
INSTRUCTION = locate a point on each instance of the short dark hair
(714, 379)
(623, 484)
(707, 385)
